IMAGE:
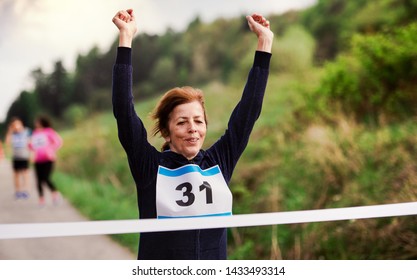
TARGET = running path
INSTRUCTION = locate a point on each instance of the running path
(55, 248)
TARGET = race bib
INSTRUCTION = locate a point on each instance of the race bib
(189, 191)
(39, 141)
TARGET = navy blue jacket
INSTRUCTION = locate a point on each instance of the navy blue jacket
(144, 160)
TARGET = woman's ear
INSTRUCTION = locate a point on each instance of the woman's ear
(165, 135)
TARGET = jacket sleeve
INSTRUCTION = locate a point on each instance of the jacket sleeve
(228, 149)
(56, 140)
(131, 131)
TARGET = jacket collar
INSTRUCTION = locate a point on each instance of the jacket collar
(179, 158)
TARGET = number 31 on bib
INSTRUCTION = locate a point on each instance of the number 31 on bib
(189, 191)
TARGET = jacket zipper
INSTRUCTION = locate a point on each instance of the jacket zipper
(197, 245)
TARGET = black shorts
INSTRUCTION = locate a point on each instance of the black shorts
(20, 164)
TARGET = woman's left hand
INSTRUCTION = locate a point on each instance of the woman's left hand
(261, 27)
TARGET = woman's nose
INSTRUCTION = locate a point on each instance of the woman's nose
(193, 127)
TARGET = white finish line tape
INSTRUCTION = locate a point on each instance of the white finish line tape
(15, 231)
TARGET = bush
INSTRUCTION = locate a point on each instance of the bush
(377, 79)
(75, 114)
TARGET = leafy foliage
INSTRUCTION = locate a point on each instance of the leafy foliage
(377, 79)
(333, 23)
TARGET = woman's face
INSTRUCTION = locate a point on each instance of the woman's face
(38, 124)
(17, 126)
(187, 129)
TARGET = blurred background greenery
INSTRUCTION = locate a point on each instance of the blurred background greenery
(338, 126)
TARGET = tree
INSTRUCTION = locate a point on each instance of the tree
(333, 23)
(90, 75)
(53, 91)
(24, 107)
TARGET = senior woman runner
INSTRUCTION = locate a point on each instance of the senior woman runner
(183, 180)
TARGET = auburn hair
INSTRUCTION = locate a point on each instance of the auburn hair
(168, 102)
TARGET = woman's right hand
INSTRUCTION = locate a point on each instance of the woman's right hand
(125, 21)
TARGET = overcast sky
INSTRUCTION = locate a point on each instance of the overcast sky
(37, 33)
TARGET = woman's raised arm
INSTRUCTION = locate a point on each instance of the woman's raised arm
(125, 21)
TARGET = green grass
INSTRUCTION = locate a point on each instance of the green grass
(100, 202)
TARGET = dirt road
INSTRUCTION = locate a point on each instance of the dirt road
(55, 248)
